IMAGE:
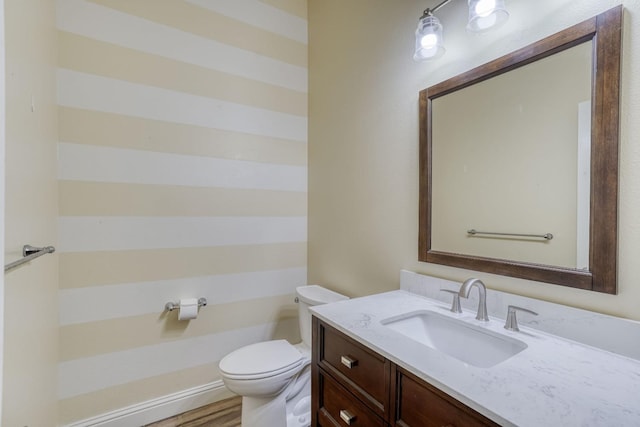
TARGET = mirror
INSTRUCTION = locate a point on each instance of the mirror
(525, 132)
(518, 181)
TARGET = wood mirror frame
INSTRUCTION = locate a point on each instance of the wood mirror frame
(605, 31)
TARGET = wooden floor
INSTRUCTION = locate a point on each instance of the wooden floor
(225, 413)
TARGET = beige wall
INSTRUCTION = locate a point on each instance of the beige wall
(31, 311)
(363, 140)
(182, 174)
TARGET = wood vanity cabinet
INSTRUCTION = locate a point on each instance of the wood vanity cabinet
(352, 385)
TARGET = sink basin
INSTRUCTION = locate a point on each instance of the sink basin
(468, 343)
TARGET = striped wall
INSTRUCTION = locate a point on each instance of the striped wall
(182, 162)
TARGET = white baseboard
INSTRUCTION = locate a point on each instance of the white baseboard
(160, 408)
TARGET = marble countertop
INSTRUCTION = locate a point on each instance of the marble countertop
(553, 382)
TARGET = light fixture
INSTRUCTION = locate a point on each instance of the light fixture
(483, 15)
(429, 43)
(486, 14)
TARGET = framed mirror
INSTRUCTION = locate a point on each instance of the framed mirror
(519, 161)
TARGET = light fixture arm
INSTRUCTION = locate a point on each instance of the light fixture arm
(430, 11)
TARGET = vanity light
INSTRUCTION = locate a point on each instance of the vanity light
(483, 15)
(486, 14)
(429, 43)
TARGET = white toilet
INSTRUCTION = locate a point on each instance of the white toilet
(274, 377)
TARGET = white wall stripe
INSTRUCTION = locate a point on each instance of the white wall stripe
(134, 299)
(79, 234)
(79, 162)
(91, 92)
(95, 373)
(261, 16)
(111, 26)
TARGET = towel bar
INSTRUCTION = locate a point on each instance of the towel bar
(29, 253)
(547, 236)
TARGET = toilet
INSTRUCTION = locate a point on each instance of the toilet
(274, 377)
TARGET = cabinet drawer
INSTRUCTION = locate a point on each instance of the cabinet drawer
(339, 408)
(419, 404)
(364, 372)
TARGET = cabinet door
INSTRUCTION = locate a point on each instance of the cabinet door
(418, 404)
(339, 408)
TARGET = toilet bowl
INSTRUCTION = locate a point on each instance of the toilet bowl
(274, 377)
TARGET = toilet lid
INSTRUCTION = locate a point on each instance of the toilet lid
(262, 359)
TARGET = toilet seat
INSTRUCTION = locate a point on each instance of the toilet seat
(261, 360)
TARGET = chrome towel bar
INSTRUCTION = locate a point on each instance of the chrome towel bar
(547, 236)
(29, 253)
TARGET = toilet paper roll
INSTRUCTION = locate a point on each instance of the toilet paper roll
(188, 309)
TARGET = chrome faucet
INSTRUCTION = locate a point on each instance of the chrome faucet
(482, 302)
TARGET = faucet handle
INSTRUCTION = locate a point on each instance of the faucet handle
(511, 323)
(455, 304)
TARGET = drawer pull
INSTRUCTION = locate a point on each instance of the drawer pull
(348, 362)
(347, 417)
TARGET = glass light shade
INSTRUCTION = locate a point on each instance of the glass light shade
(486, 14)
(429, 44)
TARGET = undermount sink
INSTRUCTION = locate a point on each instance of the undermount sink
(468, 343)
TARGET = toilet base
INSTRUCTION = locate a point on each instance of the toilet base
(291, 408)
(257, 412)
(300, 415)
(264, 412)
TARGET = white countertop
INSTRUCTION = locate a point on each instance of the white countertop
(554, 382)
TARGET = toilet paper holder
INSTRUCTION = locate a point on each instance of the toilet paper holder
(170, 306)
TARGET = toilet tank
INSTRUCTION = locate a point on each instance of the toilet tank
(309, 296)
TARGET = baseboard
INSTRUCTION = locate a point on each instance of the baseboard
(160, 408)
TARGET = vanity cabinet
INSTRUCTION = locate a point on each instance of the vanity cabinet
(355, 386)
(350, 383)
